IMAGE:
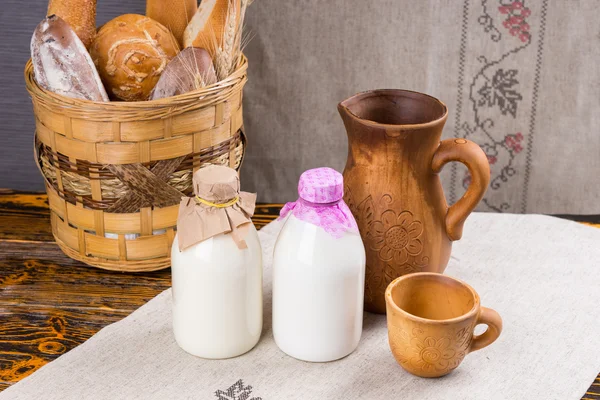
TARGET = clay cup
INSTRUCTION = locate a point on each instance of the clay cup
(431, 320)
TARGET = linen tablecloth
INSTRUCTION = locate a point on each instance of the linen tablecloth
(540, 273)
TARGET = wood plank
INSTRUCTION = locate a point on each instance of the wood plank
(33, 336)
(39, 273)
(24, 216)
(49, 303)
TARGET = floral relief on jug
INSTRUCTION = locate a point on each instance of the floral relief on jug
(394, 238)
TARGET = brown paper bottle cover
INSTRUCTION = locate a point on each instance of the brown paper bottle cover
(214, 209)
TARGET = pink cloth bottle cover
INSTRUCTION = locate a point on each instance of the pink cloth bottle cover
(320, 202)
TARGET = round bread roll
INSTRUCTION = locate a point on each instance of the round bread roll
(131, 52)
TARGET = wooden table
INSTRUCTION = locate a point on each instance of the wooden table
(49, 303)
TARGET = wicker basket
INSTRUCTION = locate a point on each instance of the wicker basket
(115, 172)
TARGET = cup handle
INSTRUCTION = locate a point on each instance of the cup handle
(470, 154)
(493, 321)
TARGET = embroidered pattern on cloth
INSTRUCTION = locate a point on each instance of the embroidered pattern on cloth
(320, 202)
(498, 85)
(237, 391)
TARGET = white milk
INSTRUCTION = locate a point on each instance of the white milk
(217, 296)
(318, 288)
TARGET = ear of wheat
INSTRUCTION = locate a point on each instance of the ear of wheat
(226, 50)
(228, 53)
(198, 79)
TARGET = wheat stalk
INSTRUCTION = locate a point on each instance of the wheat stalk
(225, 53)
(240, 38)
(228, 53)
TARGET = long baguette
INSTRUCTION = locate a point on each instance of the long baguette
(80, 14)
(174, 14)
(208, 26)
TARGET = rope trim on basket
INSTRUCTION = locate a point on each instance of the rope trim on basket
(76, 179)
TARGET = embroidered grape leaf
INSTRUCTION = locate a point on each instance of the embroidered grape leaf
(237, 391)
(501, 92)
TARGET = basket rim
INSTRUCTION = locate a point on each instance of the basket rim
(206, 95)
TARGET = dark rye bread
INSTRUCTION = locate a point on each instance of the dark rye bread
(62, 64)
(190, 70)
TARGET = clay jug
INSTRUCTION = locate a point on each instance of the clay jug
(393, 189)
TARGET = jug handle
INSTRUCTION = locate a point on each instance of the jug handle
(471, 155)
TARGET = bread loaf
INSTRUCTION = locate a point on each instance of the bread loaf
(131, 52)
(191, 69)
(80, 14)
(174, 14)
(207, 29)
(61, 63)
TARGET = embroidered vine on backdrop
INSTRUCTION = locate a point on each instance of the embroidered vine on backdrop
(495, 96)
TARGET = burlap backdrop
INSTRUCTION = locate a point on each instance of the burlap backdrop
(520, 78)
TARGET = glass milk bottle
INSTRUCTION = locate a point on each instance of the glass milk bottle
(318, 272)
(217, 268)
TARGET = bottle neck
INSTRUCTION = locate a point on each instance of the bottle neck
(311, 204)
